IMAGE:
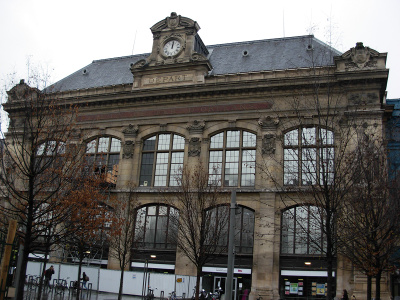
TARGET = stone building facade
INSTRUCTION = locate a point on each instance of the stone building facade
(233, 106)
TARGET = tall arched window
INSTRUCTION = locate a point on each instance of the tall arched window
(244, 229)
(162, 159)
(153, 226)
(308, 156)
(232, 158)
(301, 231)
(103, 153)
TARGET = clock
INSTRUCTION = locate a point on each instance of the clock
(172, 47)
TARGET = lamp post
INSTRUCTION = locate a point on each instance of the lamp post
(231, 248)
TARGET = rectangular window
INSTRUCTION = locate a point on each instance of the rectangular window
(248, 168)
(160, 176)
(146, 171)
(176, 168)
(231, 168)
(291, 167)
(287, 232)
(308, 166)
(215, 167)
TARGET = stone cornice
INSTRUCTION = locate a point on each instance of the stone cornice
(229, 84)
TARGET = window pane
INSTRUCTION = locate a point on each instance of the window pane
(149, 144)
(326, 136)
(217, 141)
(178, 143)
(308, 136)
(301, 230)
(287, 242)
(291, 167)
(103, 144)
(327, 165)
(91, 146)
(309, 166)
(146, 170)
(231, 168)
(164, 141)
(292, 138)
(115, 145)
(232, 139)
(176, 167)
(249, 139)
(248, 168)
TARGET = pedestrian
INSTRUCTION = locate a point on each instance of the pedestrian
(85, 279)
(47, 276)
(345, 296)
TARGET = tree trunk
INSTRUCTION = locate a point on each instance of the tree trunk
(22, 274)
(369, 287)
(78, 285)
(39, 294)
(121, 284)
(330, 278)
(197, 288)
(378, 285)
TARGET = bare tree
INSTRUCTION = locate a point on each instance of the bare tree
(87, 219)
(369, 221)
(200, 218)
(36, 165)
(319, 126)
(123, 233)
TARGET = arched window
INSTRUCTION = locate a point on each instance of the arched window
(153, 226)
(162, 159)
(232, 158)
(301, 231)
(308, 156)
(244, 229)
(50, 154)
(103, 153)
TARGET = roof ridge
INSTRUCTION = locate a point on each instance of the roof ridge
(261, 41)
(120, 57)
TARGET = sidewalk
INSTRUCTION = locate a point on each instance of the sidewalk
(87, 295)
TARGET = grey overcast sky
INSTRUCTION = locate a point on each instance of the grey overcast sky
(65, 36)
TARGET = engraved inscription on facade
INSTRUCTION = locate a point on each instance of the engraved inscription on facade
(167, 79)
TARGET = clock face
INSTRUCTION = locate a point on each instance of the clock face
(172, 48)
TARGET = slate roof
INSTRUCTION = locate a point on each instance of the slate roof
(232, 58)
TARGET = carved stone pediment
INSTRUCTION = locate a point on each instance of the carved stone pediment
(174, 21)
(22, 91)
(360, 57)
